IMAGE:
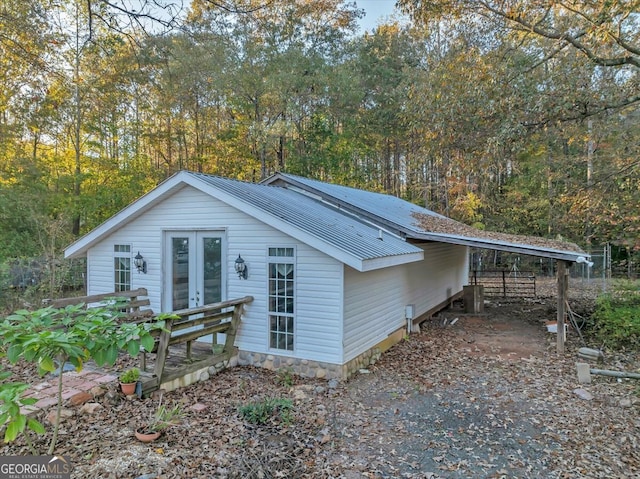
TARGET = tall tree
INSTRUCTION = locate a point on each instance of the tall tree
(605, 33)
(279, 59)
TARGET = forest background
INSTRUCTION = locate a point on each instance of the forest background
(513, 116)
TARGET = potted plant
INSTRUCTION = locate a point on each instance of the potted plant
(128, 380)
(163, 418)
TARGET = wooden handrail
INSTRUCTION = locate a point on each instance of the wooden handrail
(222, 317)
(96, 298)
(212, 323)
(213, 306)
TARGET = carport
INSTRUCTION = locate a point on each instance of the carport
(445, 230)
(419, 225)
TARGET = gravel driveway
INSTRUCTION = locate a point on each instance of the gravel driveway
(489, 397)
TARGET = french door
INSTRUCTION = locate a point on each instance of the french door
(194, 269)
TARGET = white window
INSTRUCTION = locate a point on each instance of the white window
(122, 267)
(281, 298)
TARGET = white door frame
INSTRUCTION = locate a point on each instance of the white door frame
(195, 266)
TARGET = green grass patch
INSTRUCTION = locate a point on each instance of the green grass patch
(269, 410)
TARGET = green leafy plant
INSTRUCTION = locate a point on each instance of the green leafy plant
(267, 410)
(284, 377)
(11, 416)
(163, 418)
(51, 337)
(130, 376)
(615, 322)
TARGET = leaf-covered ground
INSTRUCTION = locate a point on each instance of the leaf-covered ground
(481, 397)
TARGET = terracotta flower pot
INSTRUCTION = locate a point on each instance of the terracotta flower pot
(144, 436)
(128, 388)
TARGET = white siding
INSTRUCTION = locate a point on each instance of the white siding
(375, 301)
(318, 307)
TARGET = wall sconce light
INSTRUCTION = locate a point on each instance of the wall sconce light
(140, 263)
(241, 268)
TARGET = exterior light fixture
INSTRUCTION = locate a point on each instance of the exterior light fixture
(582, 259)
(241, 268)
(140, 263)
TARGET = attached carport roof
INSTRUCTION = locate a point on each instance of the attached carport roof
(450, 231)
(415, 224)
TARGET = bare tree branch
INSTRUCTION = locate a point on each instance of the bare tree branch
(589, 27)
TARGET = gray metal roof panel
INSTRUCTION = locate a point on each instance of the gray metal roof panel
(401, 215)
(389, 208)
(328, 223)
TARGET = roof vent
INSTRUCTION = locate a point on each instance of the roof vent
(380, 235)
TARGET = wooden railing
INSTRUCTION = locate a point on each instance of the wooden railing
(505, 283)
(211, 319)
(135, 299)
(223, 317)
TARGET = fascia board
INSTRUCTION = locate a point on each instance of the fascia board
(378, 263)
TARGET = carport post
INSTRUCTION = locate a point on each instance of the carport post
(563, 286)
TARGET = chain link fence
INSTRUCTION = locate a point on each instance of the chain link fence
(608, 263)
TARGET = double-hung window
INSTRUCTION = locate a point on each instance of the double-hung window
(281, 298)
(122, 267)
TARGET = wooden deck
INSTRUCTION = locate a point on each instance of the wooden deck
(179, 357)
(179, 363)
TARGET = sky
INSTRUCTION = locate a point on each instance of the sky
(375, 10)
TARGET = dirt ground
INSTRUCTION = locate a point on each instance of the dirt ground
(482, 396)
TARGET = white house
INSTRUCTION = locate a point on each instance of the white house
(335, 272)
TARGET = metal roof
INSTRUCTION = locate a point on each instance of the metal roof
(364, 229)
(338, 228)
(399, 216)
(396, 214)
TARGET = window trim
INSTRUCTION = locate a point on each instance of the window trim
(284, 259)
(117, 285)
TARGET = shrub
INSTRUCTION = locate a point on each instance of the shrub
(264, 411)
(616, 320)
(50, 337)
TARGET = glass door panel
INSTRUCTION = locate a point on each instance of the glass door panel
(180, 284)
(211, 266)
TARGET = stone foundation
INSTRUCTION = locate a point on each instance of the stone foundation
(361, 362)
(302, 367)
(317, 369)
(201, 374)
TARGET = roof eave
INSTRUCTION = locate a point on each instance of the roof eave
(387, 261)
(564, 255)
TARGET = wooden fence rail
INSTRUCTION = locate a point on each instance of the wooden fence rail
(505, 283)
(135, 299)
